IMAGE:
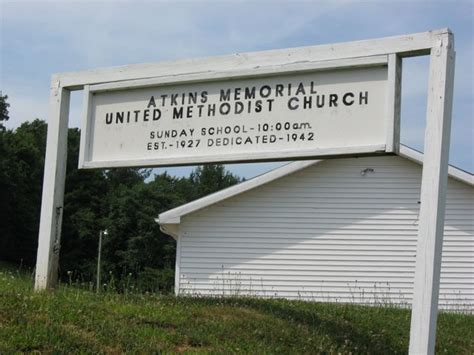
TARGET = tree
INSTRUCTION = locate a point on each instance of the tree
(84, 196)
(21, 175)
(211, 178)
(124, 201)
(4, 105)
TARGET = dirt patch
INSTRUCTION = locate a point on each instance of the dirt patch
(157, 324)
(151, 322)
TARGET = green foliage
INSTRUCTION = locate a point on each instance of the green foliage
(4, 105)
(212, 178)
(123, 201)
(21, 174)
(155, 280)
(73, 320)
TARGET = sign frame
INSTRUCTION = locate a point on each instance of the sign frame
(391, 115)
(438, 44)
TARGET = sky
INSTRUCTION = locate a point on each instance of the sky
(39, 38)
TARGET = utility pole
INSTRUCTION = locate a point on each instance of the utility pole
(99, 253)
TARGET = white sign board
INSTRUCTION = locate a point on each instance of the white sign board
(366, 102)
(273, 117)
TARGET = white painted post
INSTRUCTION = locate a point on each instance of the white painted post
(394, 99)
(53, 188)
(433, 197)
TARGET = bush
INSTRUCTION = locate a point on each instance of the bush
(156, 280)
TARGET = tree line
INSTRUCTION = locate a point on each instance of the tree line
(124, 201)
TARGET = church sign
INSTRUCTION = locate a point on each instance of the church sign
(313, 102)
(289, 115)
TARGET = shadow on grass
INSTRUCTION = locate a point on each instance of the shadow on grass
(359, 328)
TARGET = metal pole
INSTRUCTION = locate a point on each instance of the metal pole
(99, 252)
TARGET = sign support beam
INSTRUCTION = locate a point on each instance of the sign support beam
(53, 189)
(439, 44)
(433, 197)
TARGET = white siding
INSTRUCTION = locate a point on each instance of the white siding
(327, 233)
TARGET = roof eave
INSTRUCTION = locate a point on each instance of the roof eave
(173, 217)
(453, 172)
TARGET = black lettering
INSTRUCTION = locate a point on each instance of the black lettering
(119, 117)
(163, 99)
(211, 110)
(174, 99)
(156, 114)
(189, 112)
(239, 107)
(320, 103)
(292, 106)
(108, 118)
(333, 100)
(345, 101)
(225, 95)
(250, 93)
(200, 110)
(237, 93)
(203, 97)
(270, 102)
(265, 91)
(177, 112)
(364, 98)
(151, 102)
(279, 90)
(192, 98)
(226, 110)
(300, 89)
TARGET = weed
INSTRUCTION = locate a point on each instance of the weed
(75, 319)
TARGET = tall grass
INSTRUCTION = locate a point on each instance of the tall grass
(78, 320)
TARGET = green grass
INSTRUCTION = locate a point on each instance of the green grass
(79, 321)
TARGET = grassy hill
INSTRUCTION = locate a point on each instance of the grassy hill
(76, 320)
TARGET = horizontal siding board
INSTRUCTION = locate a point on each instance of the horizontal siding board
(328, 233)
(216, 243)
(304, 236)
(351, 214)
(288, 285)
(320, 273)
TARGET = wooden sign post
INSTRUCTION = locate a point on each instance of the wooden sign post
(433, 197)
(124, 107)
